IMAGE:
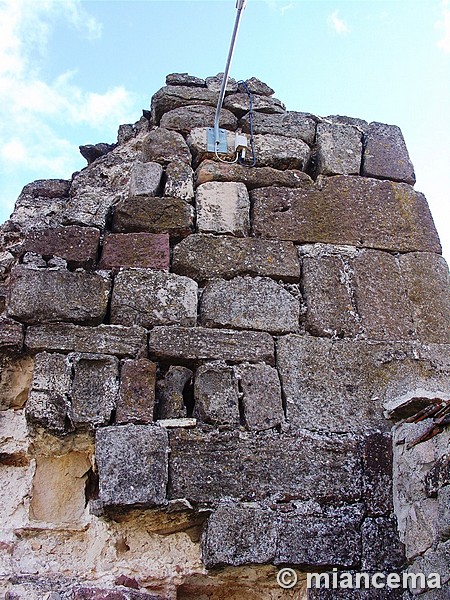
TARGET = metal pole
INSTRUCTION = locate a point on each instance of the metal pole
(240, 5)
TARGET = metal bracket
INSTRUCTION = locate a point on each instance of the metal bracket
(222, 146)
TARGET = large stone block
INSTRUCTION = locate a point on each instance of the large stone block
(184, 79)
(148, 298)
(77, 245)
(145, 250)
(199, 344)
(165, 146)
(262, 404)
(210, 170)
(223, 208)
(252, 467)
(347, 210)
(179, 178)
(185, 118)
(255, 86)
(132, 465)
(215, 84)
(173, 96)
(105, 339)
(381, 547)
(154, 215)
(239, 104)
(41, 203)
(11, 334)
(249, 303)
(145, 179)
(290, 124)
(204, 256)
(51, 295)
(339, 149)
(216, 395)
(136, 400)
(281, 152)
(385, 154)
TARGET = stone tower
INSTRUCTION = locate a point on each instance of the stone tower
(212, 371)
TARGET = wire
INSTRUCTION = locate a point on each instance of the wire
(229, 162)
(252, 145)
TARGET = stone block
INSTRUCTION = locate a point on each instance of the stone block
(154, 215)
(185, 79)
(377, 464)
(7, 261)
(210, 170)
(174, 96)
(52, 295)
(132, 465)
(331, 536)
(215, 84)
(144, 250)
(204, 256)
(15, 379)
(249, 303)
(136, 400)
(49, 397)
(427, 282)
(281, 152)
(14, 438)
(77, 245)
(197, 140)
(386, 155)
(94, 389)
(237, 535)
(256, 86)
(105, 339)
(179, 181)
(11, 334)
(293, 124)
(145, 179)
(148, 298)
(223, 208)
(347, 210)
(199, 344)
(255, 466)
(185, 118)
(381, 547)
(41, 203)
(339, 149)
(239, 104)
(165, 146)
(328, 294)
(261, 396)
(216, 395)
(171, 392)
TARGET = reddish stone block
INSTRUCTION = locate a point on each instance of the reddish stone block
(137, 391)
(145, 250)
(75, 244)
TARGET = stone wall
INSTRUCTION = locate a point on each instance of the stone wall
(210, 371)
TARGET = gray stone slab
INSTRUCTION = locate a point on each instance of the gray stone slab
(281, 152)
(145, 179)
(179, 181)
(216, 395)
(291, 124)
(339, 149)
(185, 118)
(174, 96)
(223, 208)
(262, 404)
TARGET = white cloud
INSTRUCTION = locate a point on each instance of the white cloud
(338, 24)
(279, 6)
(443, 25)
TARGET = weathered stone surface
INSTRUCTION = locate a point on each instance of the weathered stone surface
(145, 179)
(77, 245)
(381, 547)
(14, 439)
(136, 400)
(132, 465)
(436, 560)
(164, 146)
(256, 86)
(144, 250)
(261, 396)
(290, 124)
(204, 256)
(281, 152)
(93, 151)
(184, 79)
(215, 83)
(339, 149)
(174, 96)
(210, 170)
(348, 210)
(249, 303)
(427, 281)
(216, 395)
(377, 463)
(197, 140)
(239, 104)
(148, 298)
(94, 388)
(360, 124)
(7, 261)
(328, 536)
(105, 339)
(48, 400)
(386, 155)
(154, 215)
(109, 594)
(185, 118)
(49, 295)
(177, 381)
(238, 535)
(41, 203)
(15, 380)
(223, 208)
(438, 477)
(179, 178)
(201, 344)
(251, 467)
(11, 334)
(330, 307)
(380, 295)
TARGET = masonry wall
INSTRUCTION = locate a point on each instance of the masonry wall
(210, 371)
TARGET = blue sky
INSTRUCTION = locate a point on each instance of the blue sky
(71, 71)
